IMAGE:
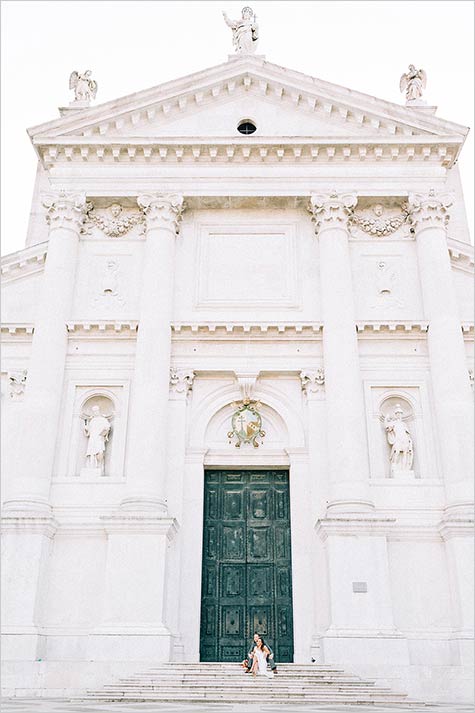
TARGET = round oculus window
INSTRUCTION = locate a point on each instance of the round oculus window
(246, 127)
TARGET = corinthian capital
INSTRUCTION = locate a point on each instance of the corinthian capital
(65, 209)
(162, 210)
(332, 209)
(429, 210)
(181, 381)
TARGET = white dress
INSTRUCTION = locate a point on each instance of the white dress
(262, 664)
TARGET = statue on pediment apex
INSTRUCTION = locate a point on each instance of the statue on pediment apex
(245, 31)
(413, 82)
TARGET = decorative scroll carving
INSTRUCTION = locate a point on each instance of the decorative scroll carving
(377, 224)
(17, 383)
(333, 210)
(430, 210)
(313, 381)
(65, 210)
(245, 31)
(162, 210)
(181, 380)
(117, 225)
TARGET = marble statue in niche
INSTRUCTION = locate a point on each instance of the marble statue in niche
(97, 429)
(85, 88)
(245, 31)
(413, 82)
(400, 439)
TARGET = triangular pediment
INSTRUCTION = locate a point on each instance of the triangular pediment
(210, 103)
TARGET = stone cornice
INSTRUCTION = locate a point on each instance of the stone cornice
(127, 329)
(100, 329)
(226, 330)
(17, 330)
(24, 262)
(392, 326)
(258, 150)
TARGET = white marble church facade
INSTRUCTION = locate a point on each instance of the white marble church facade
(321, 266)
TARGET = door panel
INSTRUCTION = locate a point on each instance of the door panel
(246, 580)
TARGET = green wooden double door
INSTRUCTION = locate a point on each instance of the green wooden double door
(247, 573)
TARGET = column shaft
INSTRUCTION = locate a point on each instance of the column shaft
(147, 433)
(42, 403)
(448, 362)
(347, 439)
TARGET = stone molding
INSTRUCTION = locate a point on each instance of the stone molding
(29, 524)
(332, 210)
(17, 330)
(347, 149)
(140, 523)
(236, 328)
(103, 328)
(393, 326)
(27, 261)
(65, 210)
(162, 210)
(352, 524)
(429, 210)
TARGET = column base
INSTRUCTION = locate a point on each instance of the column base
(144, 503)
(27, 504)
(349, 506)
(350, 496)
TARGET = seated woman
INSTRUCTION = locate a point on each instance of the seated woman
(259, 659)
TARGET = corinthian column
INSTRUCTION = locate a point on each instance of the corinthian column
(148, 425)
(346, 421)
(448, 364)
(41, 407)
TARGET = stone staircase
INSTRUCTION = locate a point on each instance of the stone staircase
(227, 683)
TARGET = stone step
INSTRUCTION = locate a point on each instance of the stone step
(252, 700)
(227, 683)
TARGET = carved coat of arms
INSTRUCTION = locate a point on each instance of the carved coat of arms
(246, 423)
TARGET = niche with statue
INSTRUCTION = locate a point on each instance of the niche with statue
(95, 442)
(397, 421)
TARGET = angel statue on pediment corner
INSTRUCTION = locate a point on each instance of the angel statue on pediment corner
(85, 88)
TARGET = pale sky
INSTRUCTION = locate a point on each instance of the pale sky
(134, 45)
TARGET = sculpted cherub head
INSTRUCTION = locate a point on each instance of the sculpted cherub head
(116, 210)
(378, 210)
